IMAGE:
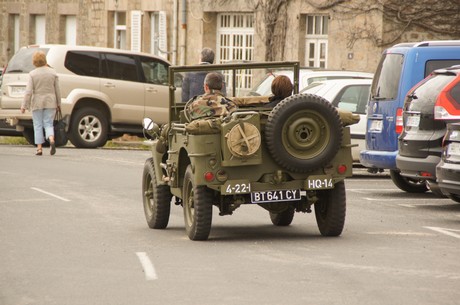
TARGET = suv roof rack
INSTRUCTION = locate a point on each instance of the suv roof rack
(429, 43)
(438, 43)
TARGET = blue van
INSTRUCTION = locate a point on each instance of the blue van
(401, 67)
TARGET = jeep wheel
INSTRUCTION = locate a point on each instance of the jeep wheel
(303, 132)
(284, 218)
(197, 201)
(157, 198)
(407, 184)
(330, 210)
(88, 128)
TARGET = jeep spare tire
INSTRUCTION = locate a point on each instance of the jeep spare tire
(303, 132)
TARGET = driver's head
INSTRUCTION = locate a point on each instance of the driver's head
(213, 81)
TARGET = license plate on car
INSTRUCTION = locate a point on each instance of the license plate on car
(376, 126)
(413, 121)
(453, 149)
(275, 196)
(18, 90)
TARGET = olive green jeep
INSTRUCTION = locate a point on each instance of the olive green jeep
(285, 160)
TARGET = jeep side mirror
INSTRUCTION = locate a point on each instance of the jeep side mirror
(151, 127)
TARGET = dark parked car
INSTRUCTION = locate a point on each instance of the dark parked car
(420, 143)
(448, 170)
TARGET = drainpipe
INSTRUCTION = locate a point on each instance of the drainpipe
(183, 48)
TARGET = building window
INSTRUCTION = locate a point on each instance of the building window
(316, 41)
(13, 33)
(158, 39)
(71, 30)
(120, 30)
(37, 29)
(235, 42)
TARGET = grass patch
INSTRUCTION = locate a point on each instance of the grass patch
(13, 141)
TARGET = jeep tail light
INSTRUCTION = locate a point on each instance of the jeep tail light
(341, 169)
(209, 176)
(399, 121)
(447, 106)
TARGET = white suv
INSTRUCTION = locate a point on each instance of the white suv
(105, 92)
(306, 77)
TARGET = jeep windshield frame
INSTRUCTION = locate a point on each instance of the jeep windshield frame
(176, 107)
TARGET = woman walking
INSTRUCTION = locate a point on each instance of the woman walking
(42, 97)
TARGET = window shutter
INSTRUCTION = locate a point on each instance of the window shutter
(136, 26)
(163, 37)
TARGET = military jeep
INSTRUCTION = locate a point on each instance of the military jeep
(286, 160)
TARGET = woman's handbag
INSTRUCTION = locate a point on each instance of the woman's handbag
(60, 135)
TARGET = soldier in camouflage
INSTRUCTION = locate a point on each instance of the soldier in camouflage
(213, 103)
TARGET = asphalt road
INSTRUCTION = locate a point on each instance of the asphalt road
(72, 231)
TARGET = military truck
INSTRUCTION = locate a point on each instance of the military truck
(286, 160)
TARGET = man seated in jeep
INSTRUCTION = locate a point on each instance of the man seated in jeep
(213, 103)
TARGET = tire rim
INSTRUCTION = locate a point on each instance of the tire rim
(306, 131)
(90, 128)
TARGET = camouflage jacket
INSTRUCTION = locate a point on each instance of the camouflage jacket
(210, 105)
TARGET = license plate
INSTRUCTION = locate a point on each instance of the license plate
(376, 126)
(321, 182)
(453, 149)
(18, 90)
(275, 196)
(413, 121)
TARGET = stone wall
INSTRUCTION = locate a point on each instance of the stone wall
(348, 47)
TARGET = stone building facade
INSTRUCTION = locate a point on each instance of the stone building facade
(178, 29)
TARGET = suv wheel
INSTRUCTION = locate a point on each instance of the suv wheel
(88, 128)
(157, 198)
(197, 201)
(303, 132)
(330, 210)
(284, 218)
(407, 184)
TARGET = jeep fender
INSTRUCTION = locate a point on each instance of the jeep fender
(158, 158)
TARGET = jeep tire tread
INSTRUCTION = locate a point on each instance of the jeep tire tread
(88, 128)
(330, 210)
(197, 203)
(303, 132)
(156, 198)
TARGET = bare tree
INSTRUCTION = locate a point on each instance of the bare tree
(399, 17)
(274, 16)
(438, 18)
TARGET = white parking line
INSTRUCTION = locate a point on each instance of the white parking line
(147, 265)
(449, 232)
(364, 191)
(50, 194)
